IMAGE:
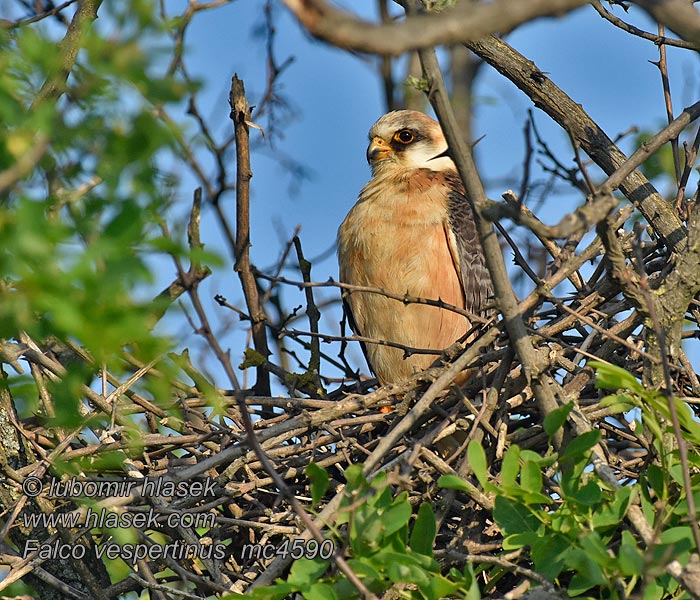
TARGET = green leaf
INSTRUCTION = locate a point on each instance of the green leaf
(529, 498)
(453, 482)
(320, 591)
(580, 583)
(588, 572)
(687, 420)
(542, 461)
(402, 568)
(578, 447)
(654, 591)
(676, 473)
(278, 591)
(595, 549)
(354, 477)
(531, 477)
(588, 495)
(556, 419)
(386, 557)
(396, 516)
(319, 482)
(366, 531)
(677, 535)
(305, 572)
(648, 507)
(477, 461)
(548, 553)
(630, 557)
(611, 377)
(424, 530)
(611, 514)
(365, 570)
(474, 592)
(510, 467)
(619, 403)
(382, 497)
(439, 587)
(513, 517)
(520, 540)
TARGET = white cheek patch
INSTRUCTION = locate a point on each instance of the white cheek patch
(423, 156)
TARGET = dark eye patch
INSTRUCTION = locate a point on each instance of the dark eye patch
(404, 138)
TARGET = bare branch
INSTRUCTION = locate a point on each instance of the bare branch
(678, 15)
(662, 64)
(465, 21)
(571, 116)
(68, 47)
(505, 298)
(657, 39)
(240, 114)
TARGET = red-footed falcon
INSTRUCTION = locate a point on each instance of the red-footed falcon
(411, 231)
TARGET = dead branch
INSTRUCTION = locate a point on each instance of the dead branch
(458, 24)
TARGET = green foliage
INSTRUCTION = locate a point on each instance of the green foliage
(80, 207)
(83, 191)
(571, 538)
(556, 419)
(578, 537)
(382, 546)
(319, 482)
(417, 83)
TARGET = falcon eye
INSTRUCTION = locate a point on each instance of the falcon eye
(405, 136)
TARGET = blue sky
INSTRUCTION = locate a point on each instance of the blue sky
(336, 97)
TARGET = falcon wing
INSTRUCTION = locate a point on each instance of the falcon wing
(466, 247)
(356, 330)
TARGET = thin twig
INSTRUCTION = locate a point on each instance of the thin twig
(662, 65)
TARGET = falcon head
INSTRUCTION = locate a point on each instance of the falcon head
(407, 139)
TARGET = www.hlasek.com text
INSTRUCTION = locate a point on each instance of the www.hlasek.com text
(104, 517)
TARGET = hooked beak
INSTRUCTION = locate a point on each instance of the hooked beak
(377, 149)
